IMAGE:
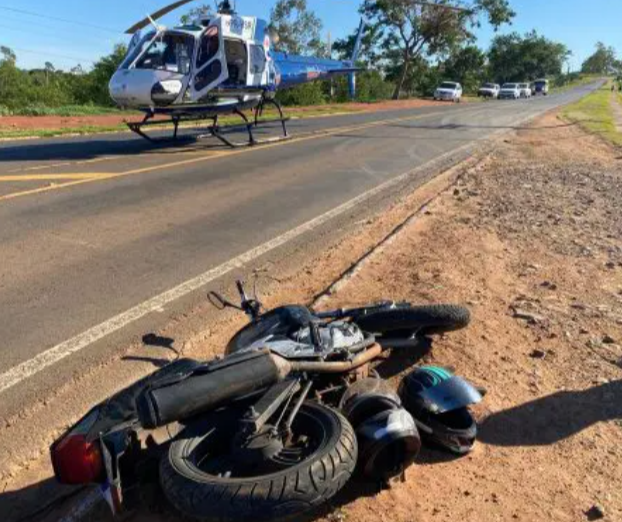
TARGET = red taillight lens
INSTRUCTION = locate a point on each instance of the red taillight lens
(77, 461)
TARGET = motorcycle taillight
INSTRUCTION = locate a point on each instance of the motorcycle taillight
(76, 460)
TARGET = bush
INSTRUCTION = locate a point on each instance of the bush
(5, 111)
(370, 87)
(306, 94)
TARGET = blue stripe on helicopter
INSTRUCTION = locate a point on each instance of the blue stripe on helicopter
(294, 70)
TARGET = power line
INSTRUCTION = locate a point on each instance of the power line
(56, 35)
(64, 20)
(25, 25)
(54, 55)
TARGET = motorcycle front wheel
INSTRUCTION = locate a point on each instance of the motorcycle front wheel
(425, 319)
(203, 479)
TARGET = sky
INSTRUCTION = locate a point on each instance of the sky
(55, 37)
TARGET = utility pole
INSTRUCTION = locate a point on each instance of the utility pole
(329, 50)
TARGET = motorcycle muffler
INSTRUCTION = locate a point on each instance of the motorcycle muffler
(220, 382)
(210, 387)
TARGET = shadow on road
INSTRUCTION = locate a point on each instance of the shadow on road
(553, 418)
(37, 502)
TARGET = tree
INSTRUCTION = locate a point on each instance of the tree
(410, 29)
(8, 55)
(467, 66)
(196, 13)
(298, 29)
(603, 61)
(102, 72)
(514, 58)
(49, 70)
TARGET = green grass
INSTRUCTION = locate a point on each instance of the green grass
(6, 134)
(595, 114)
(294, 112)
(64, 111)
(583, 80)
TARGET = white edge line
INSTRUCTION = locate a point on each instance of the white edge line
(53, 355)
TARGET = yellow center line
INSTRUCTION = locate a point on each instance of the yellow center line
(226, 153)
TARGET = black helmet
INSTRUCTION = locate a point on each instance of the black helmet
(387, 435)
(438, 401)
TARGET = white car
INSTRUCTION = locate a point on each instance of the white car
(510, 91)
(489, 90)
(525, 90)
(449, 91)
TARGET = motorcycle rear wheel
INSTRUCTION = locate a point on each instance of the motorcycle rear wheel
(291, 484)
(425, 320)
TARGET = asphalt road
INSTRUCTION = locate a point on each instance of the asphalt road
(93, 227)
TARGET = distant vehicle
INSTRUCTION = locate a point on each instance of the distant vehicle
(489, 90)
(541, 87)
(525, 90)
(510, 91)
(449, 91)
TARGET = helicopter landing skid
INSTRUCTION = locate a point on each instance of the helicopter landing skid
(217, 131)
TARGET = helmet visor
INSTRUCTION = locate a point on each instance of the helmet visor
(450, 395)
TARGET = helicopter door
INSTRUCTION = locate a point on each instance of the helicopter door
(210, 63)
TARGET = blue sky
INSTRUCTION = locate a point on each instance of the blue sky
(577, 23)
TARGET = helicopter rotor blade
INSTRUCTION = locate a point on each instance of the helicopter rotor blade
(155, 16)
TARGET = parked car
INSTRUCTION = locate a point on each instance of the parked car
(449, 91)
(525, 90)
(509, 91)
(541, 87)
(489, 90)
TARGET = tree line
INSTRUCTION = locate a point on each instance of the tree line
(408, 47)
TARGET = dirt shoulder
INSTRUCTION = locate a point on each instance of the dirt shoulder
(537, 232)
(532, 230)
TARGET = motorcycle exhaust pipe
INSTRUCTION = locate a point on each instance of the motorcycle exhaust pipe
(220, 382)
(210, 387)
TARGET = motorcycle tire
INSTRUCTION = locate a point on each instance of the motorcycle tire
(282, 494)
(425, 320)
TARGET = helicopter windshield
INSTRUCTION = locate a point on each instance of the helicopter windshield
(170, 52)
(137, 50)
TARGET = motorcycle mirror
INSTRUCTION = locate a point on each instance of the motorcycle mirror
(219, 302)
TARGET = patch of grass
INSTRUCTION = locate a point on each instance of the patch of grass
(64, 111)
(594, 113)
(7, 134)
(583, 80)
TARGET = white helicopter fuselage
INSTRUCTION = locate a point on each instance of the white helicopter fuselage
(187, 64)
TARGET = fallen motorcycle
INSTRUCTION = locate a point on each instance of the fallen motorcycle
(275, 427)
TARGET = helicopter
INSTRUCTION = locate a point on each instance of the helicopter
(221, 64)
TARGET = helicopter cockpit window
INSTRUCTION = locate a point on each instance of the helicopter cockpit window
(209, 46)
(168, 52)
(258, 59)
(138, 50)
